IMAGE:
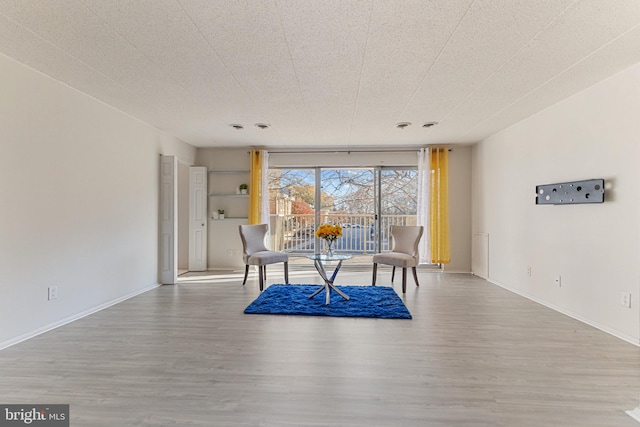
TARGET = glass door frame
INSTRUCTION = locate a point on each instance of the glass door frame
(377, 240)
(317, 209)
(377, 211)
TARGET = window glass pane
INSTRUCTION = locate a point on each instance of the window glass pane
(399, 201)
(292, 209)
(348, 199)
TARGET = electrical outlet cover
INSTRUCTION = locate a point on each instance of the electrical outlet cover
(625, 299)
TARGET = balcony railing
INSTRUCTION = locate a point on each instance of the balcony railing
(296, 233)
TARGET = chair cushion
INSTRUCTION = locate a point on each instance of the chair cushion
(253, 237)
(406, 238)
(267, 257)
(396, 259)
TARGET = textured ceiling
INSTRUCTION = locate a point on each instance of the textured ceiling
(329, 72)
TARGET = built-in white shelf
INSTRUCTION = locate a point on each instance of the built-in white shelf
(228, 195)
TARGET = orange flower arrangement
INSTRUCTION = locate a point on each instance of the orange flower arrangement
(329, 232)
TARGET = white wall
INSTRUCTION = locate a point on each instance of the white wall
(344, 159)
(222, 236)
(594, 248)
(79, 191)
(460, 210)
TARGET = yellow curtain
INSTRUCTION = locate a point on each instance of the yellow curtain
(255, 186)
(439, 209)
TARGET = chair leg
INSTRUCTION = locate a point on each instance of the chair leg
(404, 280)
(415, 276)
(246, 273)
(286, 272)
(375, 273)
(261, 277)
(265, 273)
(393, 273)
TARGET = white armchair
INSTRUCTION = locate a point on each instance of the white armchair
(255, 252)
(404, 253)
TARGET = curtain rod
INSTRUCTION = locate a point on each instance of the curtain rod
(329, 151)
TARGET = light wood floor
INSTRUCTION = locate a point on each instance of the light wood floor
(185, 355)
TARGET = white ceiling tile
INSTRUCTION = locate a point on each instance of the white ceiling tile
(330, 73)
(326, 41)
(76, 31)
(477, 50)
(30, 49)
(404, 42)
(547, 57)
(621, 53)
(165, 34)
(250, 42)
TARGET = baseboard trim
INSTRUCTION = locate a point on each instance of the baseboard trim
(73, 318)
(628, 338)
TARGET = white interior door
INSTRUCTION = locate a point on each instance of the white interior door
(168, 220)
(198, 178)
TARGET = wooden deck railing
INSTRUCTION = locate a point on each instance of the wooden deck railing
(296, 233)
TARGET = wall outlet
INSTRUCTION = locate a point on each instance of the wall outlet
(625, 299)
(529, 271)
(559, 281)
(53, 292)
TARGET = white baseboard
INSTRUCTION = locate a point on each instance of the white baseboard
(47, 328)
(630, 339)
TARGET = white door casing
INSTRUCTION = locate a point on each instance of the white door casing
(168, 263)
(198, 178)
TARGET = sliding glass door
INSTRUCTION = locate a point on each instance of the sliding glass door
(365, 201)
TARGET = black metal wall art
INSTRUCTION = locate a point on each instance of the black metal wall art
(571, 193)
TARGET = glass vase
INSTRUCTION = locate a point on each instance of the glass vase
(329, 248)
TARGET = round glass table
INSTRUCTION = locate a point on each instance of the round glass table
(319, 261)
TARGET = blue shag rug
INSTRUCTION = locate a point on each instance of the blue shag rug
(365, 301)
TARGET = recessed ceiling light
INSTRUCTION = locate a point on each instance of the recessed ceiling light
(263, 125)
(237, 127)
(429, 124)
(402, 125)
